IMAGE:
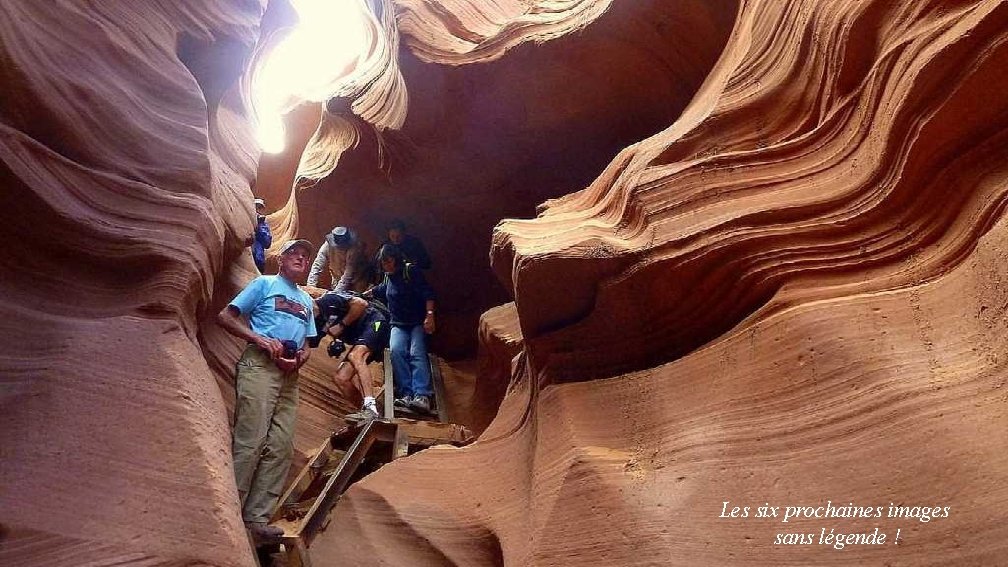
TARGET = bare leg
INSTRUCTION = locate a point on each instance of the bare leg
(344, 379)
(358, 358)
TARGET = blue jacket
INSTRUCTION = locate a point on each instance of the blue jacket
(405, 292)
(263, 240)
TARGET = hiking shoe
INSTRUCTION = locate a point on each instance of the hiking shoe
(264, 534)
(402, 402)
(421, 404)
(363, 414)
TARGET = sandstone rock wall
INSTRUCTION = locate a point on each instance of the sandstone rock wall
(864, 166)
(786, 286)
(791, 294)
(125, 161)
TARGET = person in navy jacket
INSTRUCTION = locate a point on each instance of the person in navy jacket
(410, 300)
(413, 250)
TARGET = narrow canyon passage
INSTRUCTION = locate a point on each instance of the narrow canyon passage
(689, 256)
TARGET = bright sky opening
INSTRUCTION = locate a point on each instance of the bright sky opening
(330, 36)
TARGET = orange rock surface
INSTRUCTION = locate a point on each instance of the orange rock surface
(790, 295)
(125, 162)
(766, 266)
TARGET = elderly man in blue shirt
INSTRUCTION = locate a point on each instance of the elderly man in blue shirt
(275, 316)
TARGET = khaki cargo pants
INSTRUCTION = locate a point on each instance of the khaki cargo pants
(263, 441)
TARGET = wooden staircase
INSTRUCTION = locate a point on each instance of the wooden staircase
(350, 453)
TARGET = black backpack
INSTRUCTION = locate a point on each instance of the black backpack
(378, 305)
(321, 319)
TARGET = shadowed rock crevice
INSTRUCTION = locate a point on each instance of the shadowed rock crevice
(786, 286)
(215, 63)
(493, 140)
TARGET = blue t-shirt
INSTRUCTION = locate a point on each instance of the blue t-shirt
(277, 308)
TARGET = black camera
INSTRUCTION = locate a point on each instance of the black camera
(336, 348)
(290, 350)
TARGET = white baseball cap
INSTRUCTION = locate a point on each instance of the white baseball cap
(291, 244)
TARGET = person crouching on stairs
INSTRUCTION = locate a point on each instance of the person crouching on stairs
(365, 330)
(275, 317)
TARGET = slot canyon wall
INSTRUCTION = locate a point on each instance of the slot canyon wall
(766, 265)
(125, 164)
(792, 293)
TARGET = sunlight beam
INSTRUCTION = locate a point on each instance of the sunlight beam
(308, 63)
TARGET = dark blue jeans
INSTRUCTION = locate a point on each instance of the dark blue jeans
(410, 369)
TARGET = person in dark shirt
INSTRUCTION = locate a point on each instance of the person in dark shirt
(413, 250)
(365, 330)
(410, 301)
(263, 238)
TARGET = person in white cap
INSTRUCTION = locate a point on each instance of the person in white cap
(263, 237)
(276, 317)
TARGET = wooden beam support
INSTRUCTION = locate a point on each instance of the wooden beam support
(389, 409)
(400, 448)
(303, 480)
(440, 399)
(316, 516)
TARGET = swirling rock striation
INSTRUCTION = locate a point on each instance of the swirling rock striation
(463, 31)
(874, 399)
(791, 294)
(495, 139)
(124, 170)
(787, 287)
(838, 171)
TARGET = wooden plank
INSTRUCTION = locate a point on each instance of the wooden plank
(343, 437)
(440, 399)
(435, 432)
(400, 433)
(389, 385)
(303, 481)
(400, 448)
(316, 516)
(296, 553)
